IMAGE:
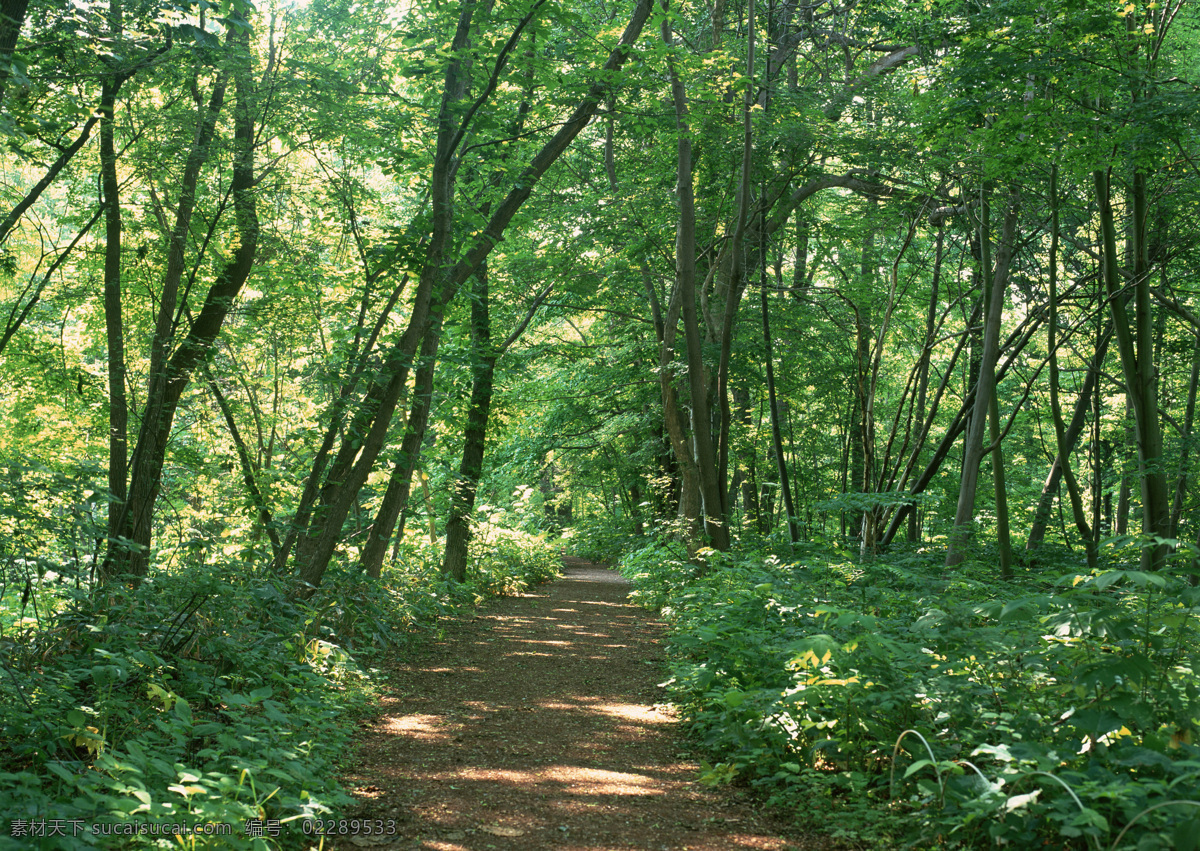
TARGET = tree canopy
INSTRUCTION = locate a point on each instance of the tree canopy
(307, 296)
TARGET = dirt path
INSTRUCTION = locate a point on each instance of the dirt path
(535, 725)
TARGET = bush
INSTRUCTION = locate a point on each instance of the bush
(209, 697)
(1065, 716)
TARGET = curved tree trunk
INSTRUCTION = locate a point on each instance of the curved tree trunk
(129, 551)
(400, 483)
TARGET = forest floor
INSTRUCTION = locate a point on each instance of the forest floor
(537, 724)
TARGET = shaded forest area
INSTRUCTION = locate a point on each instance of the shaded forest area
(865, 335)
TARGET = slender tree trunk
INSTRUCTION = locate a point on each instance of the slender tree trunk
(776, 432)
(1185, 439)
(702, 449)
(914, 529)
(395, 498)
(258, 502)
(462, 503)
(1003, 535)
(1071, 435)
(114, 325)
(171, 372)
(1063, 459)
(14, 216)
(973, 447)
(1137, 362)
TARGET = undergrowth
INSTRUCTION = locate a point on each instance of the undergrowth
(209, 707)
(897, 703)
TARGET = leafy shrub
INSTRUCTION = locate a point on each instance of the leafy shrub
(210, 696)
(600, 538)
(506, 562)
(1065, 716)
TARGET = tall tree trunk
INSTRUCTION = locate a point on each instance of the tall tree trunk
(114, 325)
(1064, 449)
(171, 371)
(776, 431)
(914, 529)
(1137, 361)
(985, 386)
(1071, 435)
(702, 447)
(462, 502)
(395, 498)
(1185, 439)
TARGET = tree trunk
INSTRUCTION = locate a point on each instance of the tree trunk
(914, 528)
(1137, 362)
(1071, 435)
(462, 502)
(702, 449)
(114, 325)
(776, 432)
(12, 18)
(1003, 535)
(1185, 439)
(973, 448)
(395, 498)
(171, 371)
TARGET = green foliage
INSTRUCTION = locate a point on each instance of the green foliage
(600, 538)
(938, 709)
(505, 562)
(210, 697)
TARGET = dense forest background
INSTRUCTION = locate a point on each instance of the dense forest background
(868, 332)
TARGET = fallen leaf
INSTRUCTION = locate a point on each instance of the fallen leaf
(500, 830)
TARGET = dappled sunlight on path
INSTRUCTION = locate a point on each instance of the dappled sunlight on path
(536, 725)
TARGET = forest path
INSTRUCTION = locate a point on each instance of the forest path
(535, 725)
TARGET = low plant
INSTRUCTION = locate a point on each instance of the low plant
(209, 707)
(1059, 711)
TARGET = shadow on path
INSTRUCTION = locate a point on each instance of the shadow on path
(536, 725)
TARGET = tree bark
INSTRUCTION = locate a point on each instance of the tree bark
(973, 448)
(131, 556)
(1137, 362)
(114, 325)
(776, 432)
(702, 449)
(462, 500)
(395, 498)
